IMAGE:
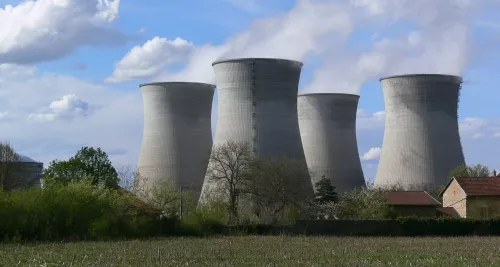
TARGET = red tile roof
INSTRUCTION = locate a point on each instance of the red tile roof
(484, 186)
(450, 211)
(411, 198)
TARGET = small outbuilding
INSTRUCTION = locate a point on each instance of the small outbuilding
(473, 197)
(413, 203)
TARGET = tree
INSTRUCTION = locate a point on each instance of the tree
(279, 184)
(363, 204)
(88, 163)
(127, 176)
(163, 196)
(463, 170)
(325, 192)
(229, 171)
(11, 169)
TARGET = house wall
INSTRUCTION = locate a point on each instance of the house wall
(455, 197)
(419, 211)
(483, 207)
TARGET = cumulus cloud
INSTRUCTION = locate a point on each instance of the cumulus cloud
(113, 118)
(372, 154)
(369, 121)
(437, 40)
(68, 107)
(35, 31)
(150, 58)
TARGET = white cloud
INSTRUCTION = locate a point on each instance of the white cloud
(473, 127)
(369, 121)
(150, 58)
(35, 31)
(440, 41)
(114, 123)
(68, 107)
(372, 154)
(292, 35)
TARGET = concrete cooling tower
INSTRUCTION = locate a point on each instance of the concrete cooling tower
(258, 105)
(421, 139)
(328, 130)
(177, 136)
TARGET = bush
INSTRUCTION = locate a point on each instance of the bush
(77, 210)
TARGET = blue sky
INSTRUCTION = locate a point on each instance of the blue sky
(70, 69)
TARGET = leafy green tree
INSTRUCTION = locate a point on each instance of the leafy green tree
(477, 170)
(88, 163)
(325, 191)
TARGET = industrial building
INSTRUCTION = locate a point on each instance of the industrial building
(22, 173)
(421, 140)
(257, 105)
(328, 130)
(177, 136)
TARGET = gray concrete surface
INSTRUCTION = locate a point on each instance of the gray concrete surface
(257, 104)
(421, 139)
(328, 130)
(177, 136)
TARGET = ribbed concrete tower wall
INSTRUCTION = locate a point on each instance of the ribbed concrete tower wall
(177, 136)
(257, 105)
(328, 130)
(421, 138)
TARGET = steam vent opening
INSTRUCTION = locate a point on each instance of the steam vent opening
(421, 141)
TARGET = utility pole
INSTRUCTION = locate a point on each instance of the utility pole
(180, 202)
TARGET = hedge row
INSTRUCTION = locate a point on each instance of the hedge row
(80, 211)
(398, 227)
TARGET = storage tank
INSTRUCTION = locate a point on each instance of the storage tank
(177, 136)
(257, 100)
(421, 139)
(328, 130)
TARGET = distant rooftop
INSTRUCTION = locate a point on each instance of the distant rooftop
(23, 158)
(411, 198)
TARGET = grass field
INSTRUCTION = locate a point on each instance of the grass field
(260, 251)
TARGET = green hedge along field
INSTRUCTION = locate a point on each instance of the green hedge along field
(260, 251)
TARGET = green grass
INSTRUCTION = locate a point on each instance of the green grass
(260, 251)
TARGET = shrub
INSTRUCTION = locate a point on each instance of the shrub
(77, 210)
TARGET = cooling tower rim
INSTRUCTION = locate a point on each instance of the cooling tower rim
(289, 61)
(332, 94)
(423, 75)
(185, 83)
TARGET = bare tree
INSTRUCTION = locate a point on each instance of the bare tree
(127, 175)
(162, 195)
(11, 176)
(278, 184)
(229, 169)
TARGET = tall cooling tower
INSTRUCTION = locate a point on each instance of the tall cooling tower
(328, 130)
(257, 105)
(421, 139)
(177, 136)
